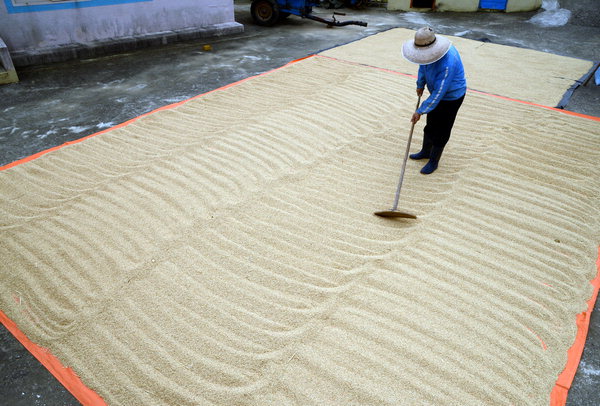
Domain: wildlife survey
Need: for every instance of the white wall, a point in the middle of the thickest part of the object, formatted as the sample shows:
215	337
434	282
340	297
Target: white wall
54	28
522	5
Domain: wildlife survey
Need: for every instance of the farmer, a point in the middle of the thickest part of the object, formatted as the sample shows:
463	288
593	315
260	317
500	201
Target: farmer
441	69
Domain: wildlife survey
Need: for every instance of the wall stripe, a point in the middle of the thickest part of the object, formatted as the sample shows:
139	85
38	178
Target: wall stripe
13	9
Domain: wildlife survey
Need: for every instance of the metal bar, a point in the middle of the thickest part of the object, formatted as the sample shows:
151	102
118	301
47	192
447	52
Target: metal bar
335	22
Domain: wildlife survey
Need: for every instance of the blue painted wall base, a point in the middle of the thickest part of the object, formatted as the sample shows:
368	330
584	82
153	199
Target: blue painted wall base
493	4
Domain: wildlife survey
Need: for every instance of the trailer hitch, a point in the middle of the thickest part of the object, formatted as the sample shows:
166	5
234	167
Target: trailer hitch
334	22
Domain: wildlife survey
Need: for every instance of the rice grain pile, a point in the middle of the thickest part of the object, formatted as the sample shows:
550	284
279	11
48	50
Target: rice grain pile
224	252
517	73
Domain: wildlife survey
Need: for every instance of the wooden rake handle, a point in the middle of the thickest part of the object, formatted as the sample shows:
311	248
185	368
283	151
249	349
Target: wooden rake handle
412	128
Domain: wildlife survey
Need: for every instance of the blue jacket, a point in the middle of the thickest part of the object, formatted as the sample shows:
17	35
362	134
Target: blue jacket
445	80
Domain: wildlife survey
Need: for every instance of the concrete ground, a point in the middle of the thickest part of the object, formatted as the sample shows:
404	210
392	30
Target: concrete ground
62	102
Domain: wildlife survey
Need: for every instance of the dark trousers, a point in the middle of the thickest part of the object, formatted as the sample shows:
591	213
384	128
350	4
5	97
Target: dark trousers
440	121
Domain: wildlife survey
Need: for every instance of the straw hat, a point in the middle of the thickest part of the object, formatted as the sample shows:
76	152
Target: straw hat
426	48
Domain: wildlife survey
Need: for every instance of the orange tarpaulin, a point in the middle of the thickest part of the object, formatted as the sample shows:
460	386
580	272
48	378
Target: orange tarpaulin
88	397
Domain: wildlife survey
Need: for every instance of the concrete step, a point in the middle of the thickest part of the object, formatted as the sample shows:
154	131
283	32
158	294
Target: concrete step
8	74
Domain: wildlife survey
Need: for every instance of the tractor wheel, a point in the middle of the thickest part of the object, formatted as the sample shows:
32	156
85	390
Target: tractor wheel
358	4
265	12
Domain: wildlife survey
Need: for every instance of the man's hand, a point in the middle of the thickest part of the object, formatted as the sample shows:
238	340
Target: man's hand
420	92
415	118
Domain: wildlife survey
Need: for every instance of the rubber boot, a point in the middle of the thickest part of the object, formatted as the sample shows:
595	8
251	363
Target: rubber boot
425	150
434	159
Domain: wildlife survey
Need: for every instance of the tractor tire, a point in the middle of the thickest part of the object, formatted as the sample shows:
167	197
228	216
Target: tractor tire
358	4
265	12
